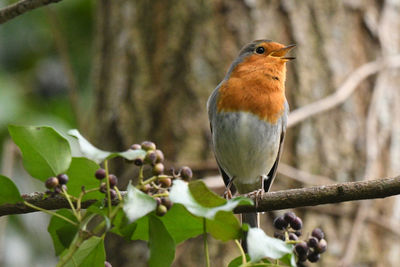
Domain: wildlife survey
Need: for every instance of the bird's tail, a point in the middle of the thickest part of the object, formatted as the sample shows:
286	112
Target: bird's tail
253	220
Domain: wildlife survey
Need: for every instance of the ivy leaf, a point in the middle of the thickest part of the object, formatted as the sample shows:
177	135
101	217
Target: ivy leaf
161	244
181	224
236	262
181	194
98	155
62	232
81	172
9	193
137	204
204	196
98	208
142	229
289	259
122	226
138	230
90	253
225	226
45	152
260	246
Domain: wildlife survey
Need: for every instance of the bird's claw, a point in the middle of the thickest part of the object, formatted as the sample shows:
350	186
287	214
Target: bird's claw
257	195
228	194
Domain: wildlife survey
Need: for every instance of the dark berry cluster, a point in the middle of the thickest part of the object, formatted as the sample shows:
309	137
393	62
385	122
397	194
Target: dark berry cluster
56	184
100	174
154	157
289	230
159	184
288	224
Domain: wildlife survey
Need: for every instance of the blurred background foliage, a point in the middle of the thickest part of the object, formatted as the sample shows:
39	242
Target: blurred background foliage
34	85
34	91
126	71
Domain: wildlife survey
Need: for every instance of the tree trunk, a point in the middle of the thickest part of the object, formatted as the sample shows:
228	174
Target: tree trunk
156	62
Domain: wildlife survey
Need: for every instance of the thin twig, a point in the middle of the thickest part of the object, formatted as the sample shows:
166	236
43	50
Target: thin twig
9	12
77	215
242	253
108	187
344	91
50	213
373	147
303	176
205	243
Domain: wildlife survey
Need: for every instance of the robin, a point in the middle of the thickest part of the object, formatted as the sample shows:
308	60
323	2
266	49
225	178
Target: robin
248	114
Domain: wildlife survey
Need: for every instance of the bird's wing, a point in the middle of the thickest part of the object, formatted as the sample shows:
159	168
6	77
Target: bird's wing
272	172
225	176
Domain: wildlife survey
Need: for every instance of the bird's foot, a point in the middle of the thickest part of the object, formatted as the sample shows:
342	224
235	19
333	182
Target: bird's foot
257	195
228	194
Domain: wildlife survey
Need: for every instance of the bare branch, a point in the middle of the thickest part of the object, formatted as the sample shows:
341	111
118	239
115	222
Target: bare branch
9	12
39	200
327	194
344	91
278	200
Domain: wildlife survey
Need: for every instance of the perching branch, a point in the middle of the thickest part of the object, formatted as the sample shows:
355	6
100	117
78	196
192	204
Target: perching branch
278	200
9	12
326	194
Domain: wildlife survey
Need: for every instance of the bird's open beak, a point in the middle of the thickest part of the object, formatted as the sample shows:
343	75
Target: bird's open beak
281	53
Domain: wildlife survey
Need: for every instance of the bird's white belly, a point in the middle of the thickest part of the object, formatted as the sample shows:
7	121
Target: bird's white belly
245	146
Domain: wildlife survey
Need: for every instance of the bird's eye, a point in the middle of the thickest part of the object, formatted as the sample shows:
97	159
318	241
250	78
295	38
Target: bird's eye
260	50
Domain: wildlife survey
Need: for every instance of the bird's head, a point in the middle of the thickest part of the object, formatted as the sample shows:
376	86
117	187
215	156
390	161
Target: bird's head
267	50
262	55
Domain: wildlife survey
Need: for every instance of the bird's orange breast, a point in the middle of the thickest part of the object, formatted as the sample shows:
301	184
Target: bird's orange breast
256	86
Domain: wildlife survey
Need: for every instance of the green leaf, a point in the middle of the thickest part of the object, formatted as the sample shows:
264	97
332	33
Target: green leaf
181	224
90	253
225	226
138	230
81	172
98	208
62	232
137	204
205	196
9	193
236	262
161	244
98	155
289	259
122	226
45	152
181	194
260	246
142	229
